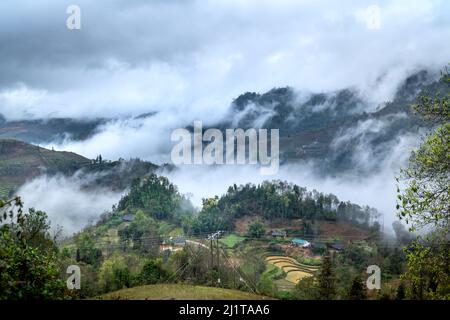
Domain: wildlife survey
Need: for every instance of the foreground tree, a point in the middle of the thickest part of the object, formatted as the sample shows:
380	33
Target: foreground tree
327	280
357	290
307	289
114	274
28	258
152	272
424	202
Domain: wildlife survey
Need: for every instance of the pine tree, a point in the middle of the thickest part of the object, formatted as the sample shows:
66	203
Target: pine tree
357	290
327	281
401	292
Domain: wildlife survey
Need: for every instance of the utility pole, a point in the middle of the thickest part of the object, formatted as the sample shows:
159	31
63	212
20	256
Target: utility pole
212	255
217	251
212	237
218	255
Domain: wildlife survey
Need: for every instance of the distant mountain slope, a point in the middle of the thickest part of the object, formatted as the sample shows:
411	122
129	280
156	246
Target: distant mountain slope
39	131
290	111
20	161
337	128
334	127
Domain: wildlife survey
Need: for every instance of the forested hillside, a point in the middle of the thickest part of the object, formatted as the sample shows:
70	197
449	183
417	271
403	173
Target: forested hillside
279	200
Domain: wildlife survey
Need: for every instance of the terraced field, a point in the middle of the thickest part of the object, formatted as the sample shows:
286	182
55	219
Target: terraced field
294	270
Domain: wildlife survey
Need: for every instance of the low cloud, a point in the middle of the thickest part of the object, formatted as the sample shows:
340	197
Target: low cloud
66	202
376	189
198	55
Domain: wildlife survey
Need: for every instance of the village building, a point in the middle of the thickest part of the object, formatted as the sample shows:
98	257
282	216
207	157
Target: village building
278	233
297	242
178	241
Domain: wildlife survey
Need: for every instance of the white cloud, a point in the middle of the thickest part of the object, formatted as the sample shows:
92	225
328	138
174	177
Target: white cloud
66	202
201	54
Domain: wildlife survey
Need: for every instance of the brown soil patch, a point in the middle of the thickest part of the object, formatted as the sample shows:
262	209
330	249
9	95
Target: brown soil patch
342	229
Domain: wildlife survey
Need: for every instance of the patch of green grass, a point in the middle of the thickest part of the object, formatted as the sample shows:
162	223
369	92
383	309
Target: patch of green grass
179	292
309	261
231	240
274	272
176	232
166	228
283	286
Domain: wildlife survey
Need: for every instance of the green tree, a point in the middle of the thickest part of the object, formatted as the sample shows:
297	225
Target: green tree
307	289
156	196
143	233
86	250
266	285
327	279
152	272
401	291
256	229
114	274
28	269
211	218
357	290
424	201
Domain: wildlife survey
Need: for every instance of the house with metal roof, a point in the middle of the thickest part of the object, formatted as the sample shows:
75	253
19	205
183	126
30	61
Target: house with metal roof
300	243
278	233
338	246
178	241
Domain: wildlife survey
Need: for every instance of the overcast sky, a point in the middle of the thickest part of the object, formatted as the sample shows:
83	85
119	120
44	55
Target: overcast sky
192	58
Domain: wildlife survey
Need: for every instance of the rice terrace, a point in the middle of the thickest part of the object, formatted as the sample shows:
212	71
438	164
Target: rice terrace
294	270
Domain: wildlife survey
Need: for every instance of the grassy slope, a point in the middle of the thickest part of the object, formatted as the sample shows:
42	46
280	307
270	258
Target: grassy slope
232	240
180	292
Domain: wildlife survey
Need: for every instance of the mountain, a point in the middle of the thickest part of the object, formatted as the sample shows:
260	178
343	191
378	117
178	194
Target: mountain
20	161
55	129
335	127
295	112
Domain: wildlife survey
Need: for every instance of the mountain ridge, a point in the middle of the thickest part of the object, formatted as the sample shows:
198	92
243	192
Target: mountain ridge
21	162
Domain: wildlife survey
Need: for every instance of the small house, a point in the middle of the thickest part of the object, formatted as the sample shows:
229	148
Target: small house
337	246
279	233
300	243
179	241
